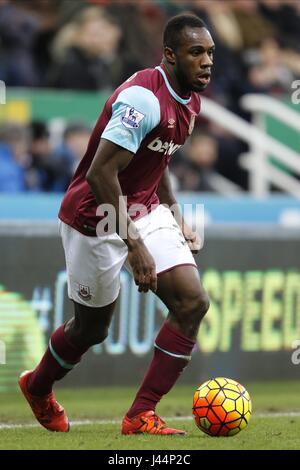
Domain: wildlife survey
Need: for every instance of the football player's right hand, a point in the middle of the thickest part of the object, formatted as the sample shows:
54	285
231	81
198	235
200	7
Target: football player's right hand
143	267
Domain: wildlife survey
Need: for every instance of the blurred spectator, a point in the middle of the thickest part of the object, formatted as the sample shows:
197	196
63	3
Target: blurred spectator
253	26
13	158
230	150
228	83
69	154
268	71
86	53
27	162
221	19
47	13
150	20
18	30
285	15
97	44
43	172
194	168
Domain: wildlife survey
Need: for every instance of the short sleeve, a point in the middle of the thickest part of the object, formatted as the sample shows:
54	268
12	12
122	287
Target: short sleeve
135	113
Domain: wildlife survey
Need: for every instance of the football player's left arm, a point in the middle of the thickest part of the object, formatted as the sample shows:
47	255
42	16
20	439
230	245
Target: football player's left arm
166	196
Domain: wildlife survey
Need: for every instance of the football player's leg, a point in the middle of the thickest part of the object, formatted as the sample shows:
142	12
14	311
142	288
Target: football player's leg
89	326
181	291
68	343
187	301
93	268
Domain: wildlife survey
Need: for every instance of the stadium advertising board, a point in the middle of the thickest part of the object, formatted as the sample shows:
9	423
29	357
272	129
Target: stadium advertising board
250	332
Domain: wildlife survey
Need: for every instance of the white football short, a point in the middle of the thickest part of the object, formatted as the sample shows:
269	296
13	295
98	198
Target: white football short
94	263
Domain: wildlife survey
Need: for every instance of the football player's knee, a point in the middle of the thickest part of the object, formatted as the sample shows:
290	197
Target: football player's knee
203	304
196	307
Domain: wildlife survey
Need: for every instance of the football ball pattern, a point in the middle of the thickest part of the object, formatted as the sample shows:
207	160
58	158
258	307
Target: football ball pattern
221	407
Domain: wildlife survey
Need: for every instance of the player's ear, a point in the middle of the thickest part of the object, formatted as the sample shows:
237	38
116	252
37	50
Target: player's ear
169	55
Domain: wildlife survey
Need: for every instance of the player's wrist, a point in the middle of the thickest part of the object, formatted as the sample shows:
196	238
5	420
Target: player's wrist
133	243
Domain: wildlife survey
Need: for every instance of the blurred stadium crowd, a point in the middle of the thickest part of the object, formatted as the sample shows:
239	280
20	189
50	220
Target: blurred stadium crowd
97	44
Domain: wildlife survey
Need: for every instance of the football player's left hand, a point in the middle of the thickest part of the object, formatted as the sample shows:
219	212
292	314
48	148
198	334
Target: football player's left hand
193	240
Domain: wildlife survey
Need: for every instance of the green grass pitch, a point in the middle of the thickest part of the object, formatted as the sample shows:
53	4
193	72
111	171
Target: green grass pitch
97	413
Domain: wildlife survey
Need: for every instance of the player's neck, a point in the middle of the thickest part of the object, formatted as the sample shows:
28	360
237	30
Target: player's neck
184	93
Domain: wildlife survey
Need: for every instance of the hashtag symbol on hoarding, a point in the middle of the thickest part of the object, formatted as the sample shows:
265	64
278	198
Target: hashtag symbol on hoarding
2	353
2	92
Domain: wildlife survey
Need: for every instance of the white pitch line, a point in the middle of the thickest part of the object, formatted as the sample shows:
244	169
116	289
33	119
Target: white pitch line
288	414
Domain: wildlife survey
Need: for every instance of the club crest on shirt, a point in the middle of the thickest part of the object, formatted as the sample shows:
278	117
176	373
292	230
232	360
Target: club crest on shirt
132	118
84	292
192	124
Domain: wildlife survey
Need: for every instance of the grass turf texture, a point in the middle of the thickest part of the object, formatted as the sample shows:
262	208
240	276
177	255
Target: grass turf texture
264	431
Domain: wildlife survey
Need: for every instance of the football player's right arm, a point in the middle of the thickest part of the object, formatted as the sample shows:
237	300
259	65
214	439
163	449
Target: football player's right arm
134	114
102	176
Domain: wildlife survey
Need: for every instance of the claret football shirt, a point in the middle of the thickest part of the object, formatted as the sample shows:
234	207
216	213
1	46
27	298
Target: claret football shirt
146	116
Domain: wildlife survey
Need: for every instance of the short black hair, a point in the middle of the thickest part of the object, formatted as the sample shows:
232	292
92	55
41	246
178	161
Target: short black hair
176	24
38	130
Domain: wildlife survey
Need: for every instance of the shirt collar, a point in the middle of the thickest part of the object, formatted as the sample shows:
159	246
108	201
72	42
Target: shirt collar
171	90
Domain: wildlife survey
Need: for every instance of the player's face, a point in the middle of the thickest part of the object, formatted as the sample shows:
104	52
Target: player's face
194	59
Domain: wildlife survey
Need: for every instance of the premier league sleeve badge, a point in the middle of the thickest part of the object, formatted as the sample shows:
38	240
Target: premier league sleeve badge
132	118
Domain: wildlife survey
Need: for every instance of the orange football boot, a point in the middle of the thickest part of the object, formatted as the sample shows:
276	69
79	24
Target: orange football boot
148	422
47	411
